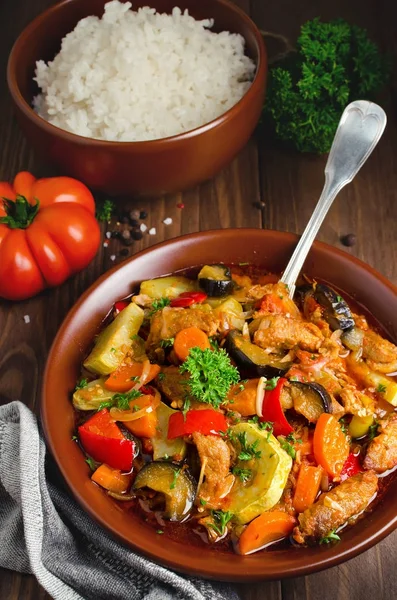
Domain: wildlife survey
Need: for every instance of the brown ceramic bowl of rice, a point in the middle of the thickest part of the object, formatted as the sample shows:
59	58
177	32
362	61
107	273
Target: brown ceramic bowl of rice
165	123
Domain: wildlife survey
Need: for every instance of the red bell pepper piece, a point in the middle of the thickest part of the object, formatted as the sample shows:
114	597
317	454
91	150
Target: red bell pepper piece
272	410
102	439
351	467
206	421
120	305
187	299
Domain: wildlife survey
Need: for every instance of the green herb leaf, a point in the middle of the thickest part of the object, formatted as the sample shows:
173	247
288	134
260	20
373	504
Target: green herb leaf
176	475
381	388
289	449
331	537
122	401
211	375
159	531
271	383
105	404
247	451
91	463
203	502
335	63
167	343
344	425
243	474
81	384
161	376
105	210
373	431
220	520
159	305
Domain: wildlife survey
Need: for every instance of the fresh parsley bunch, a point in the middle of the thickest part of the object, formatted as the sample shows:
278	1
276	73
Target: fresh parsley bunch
335	64
211	375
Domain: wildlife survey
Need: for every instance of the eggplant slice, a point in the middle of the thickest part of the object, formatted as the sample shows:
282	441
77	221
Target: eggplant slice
175	484
251	360
216	280
336	311
310	400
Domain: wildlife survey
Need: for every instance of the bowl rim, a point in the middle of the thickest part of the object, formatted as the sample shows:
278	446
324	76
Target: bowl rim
143	144
327	557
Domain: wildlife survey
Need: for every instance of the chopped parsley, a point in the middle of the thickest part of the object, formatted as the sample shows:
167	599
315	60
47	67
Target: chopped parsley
381	388
271	383
344	425
203	502
74	438
160	531
211	375
373	431
91	463
159	305
289	449
81	384
220	521
175	479
160	376
247	451
105	404
122	401
264	425
339	298
105	210
331	537
244	474
168	343
214	343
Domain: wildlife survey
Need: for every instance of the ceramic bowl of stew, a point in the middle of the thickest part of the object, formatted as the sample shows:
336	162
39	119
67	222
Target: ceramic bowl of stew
271	251
145	168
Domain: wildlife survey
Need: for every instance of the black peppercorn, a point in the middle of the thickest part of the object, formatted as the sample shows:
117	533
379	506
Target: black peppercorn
349	239
134	223
136	234
124	252
143	214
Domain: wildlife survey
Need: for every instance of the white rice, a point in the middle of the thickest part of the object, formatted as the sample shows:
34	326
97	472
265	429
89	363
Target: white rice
142	75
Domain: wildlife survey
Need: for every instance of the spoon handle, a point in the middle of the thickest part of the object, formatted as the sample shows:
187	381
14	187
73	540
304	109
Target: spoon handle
359	130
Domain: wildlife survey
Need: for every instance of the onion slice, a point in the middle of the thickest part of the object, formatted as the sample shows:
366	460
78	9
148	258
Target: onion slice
129	415
143	376
260	394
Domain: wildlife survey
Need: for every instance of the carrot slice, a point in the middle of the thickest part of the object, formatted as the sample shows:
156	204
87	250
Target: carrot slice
144	426
243	400
268	527
191	337
111	479
123	379
330	445
307	487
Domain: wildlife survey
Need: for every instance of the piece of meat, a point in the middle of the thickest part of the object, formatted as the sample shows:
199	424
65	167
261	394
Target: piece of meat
380	354
214	454
357	403
172	384
382	451
166	323
334	508
279	332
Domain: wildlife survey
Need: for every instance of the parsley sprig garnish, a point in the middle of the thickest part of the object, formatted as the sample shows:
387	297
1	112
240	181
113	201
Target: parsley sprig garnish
331	537
159	305
247	451
211	375
105	210
243	474
81	384
122	401
220	520
287	446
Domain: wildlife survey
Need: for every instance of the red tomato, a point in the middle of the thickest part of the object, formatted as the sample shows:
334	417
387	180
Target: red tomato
48	232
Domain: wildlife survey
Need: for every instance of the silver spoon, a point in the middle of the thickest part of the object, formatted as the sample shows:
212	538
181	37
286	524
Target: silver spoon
359	130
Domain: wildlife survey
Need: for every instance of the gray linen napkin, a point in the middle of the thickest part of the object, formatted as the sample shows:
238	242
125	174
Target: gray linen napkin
43	531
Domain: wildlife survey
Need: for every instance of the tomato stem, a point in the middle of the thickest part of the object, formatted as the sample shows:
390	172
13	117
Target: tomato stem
19	213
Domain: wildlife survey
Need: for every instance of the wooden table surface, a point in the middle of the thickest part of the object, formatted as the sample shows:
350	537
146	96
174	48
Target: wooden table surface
288	184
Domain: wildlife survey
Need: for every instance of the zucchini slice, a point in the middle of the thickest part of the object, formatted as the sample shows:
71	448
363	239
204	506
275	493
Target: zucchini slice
216	280
114	341
167	287
91	396
269	474
162	446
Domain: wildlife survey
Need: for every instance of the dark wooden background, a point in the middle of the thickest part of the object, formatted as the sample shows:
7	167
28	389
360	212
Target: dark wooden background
289	185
